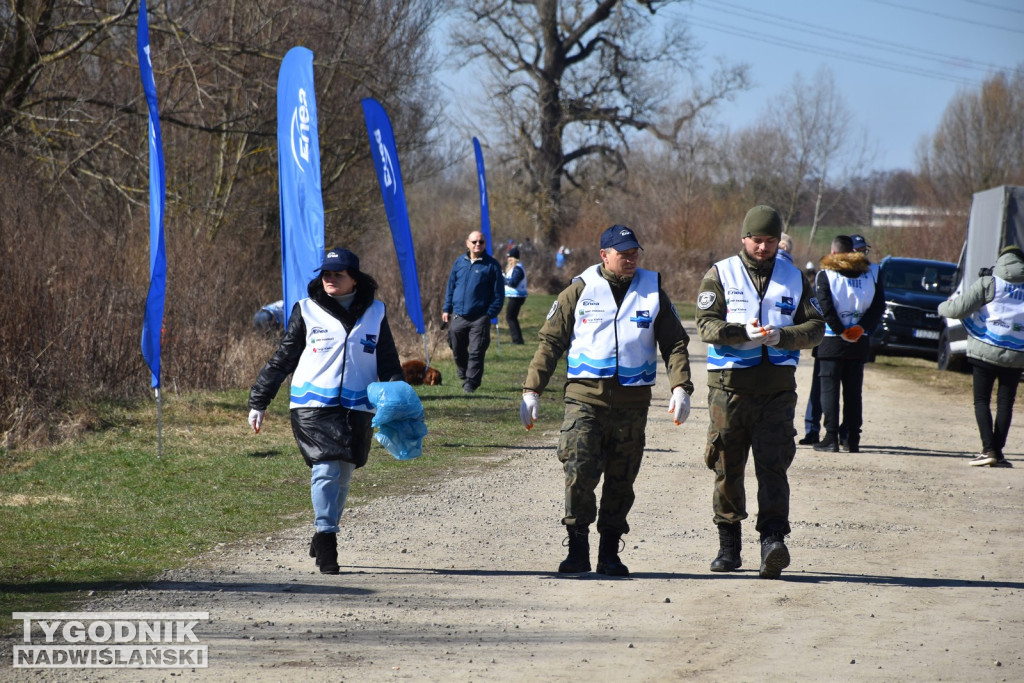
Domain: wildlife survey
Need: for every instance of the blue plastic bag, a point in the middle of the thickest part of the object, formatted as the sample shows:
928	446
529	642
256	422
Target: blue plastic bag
400	422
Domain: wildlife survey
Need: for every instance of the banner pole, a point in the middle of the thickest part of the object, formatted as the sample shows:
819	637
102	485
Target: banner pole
426	353
159	424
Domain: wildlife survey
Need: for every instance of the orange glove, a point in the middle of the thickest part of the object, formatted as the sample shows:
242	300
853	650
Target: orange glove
852	334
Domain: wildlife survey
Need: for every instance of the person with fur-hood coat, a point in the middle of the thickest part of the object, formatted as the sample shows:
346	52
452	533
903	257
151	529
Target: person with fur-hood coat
852	301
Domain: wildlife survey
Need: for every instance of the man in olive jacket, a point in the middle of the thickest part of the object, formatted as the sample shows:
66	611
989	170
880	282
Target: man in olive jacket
610	322
755	312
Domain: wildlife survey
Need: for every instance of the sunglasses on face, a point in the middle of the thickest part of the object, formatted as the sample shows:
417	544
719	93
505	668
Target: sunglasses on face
478	241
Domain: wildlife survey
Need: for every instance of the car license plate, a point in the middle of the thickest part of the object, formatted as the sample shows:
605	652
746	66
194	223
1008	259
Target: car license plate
927	334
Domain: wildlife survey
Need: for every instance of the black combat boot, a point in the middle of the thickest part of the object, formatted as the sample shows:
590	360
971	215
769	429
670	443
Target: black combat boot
829	444
608	562
852	444
324	547
774	554
729	544
578	560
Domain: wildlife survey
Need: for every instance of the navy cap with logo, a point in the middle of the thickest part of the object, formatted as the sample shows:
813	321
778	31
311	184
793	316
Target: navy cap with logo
619	238
337	260
859	243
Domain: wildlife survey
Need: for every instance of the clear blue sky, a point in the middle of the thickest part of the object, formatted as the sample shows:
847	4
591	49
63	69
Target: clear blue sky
896	63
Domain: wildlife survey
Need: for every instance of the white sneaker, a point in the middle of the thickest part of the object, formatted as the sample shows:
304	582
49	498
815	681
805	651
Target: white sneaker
983	460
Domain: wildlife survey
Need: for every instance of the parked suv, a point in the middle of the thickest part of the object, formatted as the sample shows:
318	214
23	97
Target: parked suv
914	288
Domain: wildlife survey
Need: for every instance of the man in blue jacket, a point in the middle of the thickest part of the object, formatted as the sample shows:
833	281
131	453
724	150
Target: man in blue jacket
475	294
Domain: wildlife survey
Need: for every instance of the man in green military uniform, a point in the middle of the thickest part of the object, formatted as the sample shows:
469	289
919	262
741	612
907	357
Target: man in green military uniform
755	312
611	321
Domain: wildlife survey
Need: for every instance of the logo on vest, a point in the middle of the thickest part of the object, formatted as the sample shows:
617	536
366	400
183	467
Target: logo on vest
1014	291
369	343
786	305
642	319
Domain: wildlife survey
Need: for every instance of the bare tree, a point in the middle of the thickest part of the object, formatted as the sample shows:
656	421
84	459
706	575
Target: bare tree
979	142
805	144
569	80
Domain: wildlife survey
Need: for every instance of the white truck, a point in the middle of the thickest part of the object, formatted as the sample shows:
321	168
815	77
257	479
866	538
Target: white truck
996	221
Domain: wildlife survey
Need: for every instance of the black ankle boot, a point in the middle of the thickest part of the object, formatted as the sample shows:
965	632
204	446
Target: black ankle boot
829	444
729	544
608	562
578	560
324	547
774	554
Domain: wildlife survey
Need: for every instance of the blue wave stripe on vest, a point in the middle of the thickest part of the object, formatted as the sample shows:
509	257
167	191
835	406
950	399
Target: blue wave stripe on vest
987	335
744	358
308	392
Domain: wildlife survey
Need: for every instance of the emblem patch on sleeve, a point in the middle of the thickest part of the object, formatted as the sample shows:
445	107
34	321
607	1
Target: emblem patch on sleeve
817	306
705	300
554	308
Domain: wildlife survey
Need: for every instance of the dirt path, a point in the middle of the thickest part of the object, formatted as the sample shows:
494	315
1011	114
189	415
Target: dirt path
907	565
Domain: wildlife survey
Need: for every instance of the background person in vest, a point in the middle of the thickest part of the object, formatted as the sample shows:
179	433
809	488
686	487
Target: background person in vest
755	312
337	342
852	301
812	416
612	321
475	293
515	293
993	313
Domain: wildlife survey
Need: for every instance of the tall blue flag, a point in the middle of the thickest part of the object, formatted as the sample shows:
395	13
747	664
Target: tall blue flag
152	323
485	212
298	167
389	174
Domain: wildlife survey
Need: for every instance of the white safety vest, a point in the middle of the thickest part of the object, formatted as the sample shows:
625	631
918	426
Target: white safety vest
336	367
743	303
615	341
851	296
519	291
1000	322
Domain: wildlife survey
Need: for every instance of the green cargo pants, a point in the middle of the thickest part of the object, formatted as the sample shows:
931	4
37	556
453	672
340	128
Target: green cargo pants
762	423
596	441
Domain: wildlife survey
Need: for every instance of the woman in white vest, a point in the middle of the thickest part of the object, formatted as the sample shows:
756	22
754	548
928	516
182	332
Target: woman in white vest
337	342
993	313
515	293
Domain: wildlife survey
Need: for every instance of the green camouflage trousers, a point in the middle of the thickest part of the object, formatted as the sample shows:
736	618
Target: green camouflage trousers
739	424
596	441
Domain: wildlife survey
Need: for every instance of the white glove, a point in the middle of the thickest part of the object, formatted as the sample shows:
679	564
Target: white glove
772	336
754	331
528	408
256	419
679	405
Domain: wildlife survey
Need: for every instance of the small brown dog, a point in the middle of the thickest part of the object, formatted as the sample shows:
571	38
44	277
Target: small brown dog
417	372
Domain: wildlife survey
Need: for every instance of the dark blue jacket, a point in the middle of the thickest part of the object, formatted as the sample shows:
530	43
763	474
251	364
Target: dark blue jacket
475	288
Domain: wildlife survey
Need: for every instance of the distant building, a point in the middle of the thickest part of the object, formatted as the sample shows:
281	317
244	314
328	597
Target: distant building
908	216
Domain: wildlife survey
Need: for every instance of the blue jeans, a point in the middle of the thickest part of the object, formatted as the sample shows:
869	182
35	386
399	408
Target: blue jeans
328	486
812	416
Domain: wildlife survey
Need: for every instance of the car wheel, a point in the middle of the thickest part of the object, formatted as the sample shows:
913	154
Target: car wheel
946	359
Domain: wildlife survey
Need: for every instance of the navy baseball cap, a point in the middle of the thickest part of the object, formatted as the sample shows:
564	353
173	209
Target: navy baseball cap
337	260
619	238
859	242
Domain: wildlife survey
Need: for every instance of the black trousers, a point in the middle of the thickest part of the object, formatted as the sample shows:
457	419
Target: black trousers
512	306
469	339
845	376
993	436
